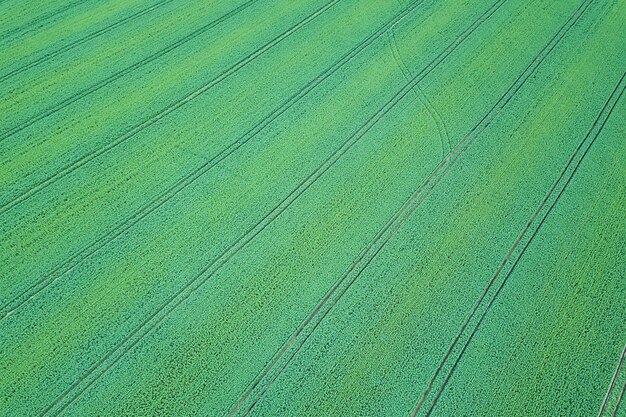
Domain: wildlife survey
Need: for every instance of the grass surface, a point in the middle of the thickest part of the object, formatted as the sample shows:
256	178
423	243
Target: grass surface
339	207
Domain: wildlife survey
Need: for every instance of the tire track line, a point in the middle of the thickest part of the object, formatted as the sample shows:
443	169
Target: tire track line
128	70
12	32
165	112
619	401
369	253
565	177
108	361
421	97
91	249
609	392
74	44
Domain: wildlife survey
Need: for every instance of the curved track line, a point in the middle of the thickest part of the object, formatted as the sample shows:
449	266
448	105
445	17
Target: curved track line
86	252
80	41
165	112
109	360
444	137
128	70
527	228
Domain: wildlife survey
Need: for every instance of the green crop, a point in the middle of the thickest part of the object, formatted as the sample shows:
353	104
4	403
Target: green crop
313	207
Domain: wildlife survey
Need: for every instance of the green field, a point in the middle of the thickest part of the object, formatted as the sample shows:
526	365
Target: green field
313	207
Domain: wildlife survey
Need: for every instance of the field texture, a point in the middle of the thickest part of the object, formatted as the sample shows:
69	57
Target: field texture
313	207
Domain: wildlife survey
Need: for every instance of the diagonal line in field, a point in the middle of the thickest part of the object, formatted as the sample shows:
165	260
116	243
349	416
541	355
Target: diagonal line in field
42	18
616	376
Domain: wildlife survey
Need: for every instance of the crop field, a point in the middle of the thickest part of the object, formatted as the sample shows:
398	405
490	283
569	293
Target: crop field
313	208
